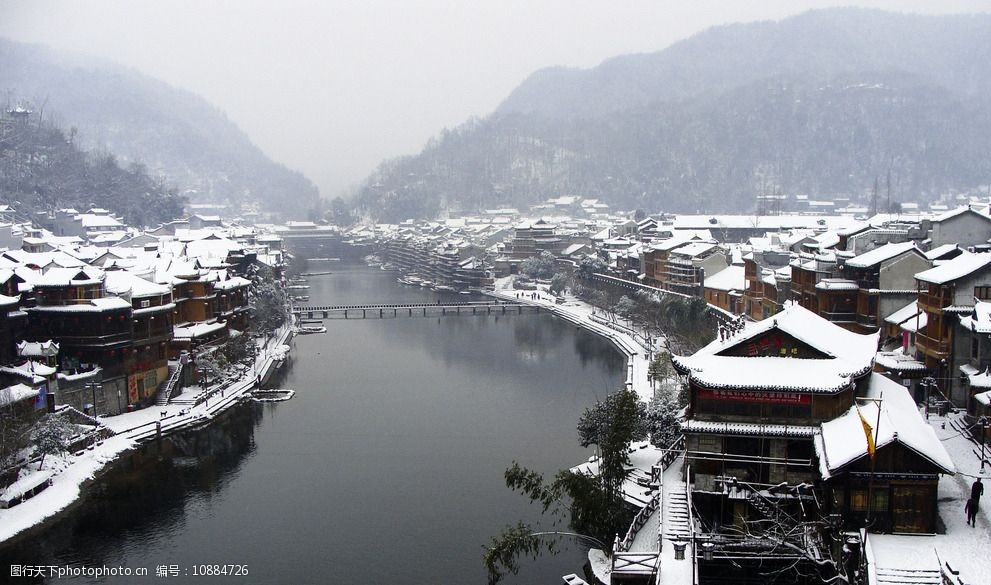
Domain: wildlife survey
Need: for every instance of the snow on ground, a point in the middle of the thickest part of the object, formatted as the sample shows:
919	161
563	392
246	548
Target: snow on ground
130	429
64	489
963	547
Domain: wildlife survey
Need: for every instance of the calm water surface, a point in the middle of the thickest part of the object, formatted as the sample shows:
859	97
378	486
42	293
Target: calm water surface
385	468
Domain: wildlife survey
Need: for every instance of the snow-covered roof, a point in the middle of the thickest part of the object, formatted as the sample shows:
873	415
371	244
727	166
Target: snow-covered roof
843	440
897	361
901	315
940	251
960	211
694	249
811	329
121	282
92	220
197	330
91	305
37	348
881	254
836	284
979	319
902	559
730	278
769	373
16	393
231	283
69	276
740	428
955	269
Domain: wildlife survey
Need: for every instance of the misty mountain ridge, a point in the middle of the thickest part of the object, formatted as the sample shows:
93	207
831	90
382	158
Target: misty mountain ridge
952	51
798	106
176	134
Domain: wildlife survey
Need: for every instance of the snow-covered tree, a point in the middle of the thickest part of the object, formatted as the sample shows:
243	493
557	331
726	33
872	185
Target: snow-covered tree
662	420
267	303
539	266
51	436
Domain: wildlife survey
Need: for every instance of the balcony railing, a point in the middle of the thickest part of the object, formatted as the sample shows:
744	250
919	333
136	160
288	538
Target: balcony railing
933	347
932	304
107	340
838	317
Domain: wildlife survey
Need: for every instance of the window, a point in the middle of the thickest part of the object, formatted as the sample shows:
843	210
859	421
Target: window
982	292
880	500
710	444
858	500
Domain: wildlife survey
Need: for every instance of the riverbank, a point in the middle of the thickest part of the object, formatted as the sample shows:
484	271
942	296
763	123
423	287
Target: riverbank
638	351
193	408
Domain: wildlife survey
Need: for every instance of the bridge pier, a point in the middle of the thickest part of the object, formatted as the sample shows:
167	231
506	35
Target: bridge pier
504	309
394	312
411	312
363	313
380	313
326	314
345	313
424	311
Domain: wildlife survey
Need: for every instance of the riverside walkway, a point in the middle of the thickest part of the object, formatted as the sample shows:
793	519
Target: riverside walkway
134	428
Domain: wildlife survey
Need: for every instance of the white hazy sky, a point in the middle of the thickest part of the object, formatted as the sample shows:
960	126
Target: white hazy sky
332	87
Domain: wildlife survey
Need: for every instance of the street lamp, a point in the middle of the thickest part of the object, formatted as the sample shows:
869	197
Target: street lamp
928	382
983	421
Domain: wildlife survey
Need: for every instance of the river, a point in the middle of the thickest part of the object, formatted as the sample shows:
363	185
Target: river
385	468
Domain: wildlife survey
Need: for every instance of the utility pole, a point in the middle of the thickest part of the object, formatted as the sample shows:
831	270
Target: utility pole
874	198
984	436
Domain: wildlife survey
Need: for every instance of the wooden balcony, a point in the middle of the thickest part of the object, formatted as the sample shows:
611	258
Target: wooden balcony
936	348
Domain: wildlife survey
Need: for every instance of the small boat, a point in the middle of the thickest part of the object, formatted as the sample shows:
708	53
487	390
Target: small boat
388	266
320	273
301	298
464	292
443	288
274	395
298	287
310	330
426	283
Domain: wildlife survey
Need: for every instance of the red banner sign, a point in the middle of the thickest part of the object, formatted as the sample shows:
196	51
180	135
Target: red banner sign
760	396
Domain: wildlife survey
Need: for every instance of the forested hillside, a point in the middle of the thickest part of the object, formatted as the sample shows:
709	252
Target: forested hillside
807	105
175	134
42	169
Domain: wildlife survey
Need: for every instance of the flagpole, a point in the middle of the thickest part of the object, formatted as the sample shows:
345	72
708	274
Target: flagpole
871	450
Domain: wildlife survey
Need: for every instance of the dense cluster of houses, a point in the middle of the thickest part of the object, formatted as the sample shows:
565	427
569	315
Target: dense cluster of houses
98	316
804	413
921	279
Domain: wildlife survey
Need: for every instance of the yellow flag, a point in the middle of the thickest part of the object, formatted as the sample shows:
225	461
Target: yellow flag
869	433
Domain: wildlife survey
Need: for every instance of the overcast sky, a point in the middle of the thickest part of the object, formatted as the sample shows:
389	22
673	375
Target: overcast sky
331	87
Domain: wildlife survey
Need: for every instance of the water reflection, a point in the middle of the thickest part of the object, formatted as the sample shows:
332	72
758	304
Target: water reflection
141	499
387	466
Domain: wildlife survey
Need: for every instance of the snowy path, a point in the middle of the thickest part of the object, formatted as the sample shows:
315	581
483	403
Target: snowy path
131	429
963	547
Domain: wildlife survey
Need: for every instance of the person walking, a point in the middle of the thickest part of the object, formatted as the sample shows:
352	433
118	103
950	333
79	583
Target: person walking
976	491
971	509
